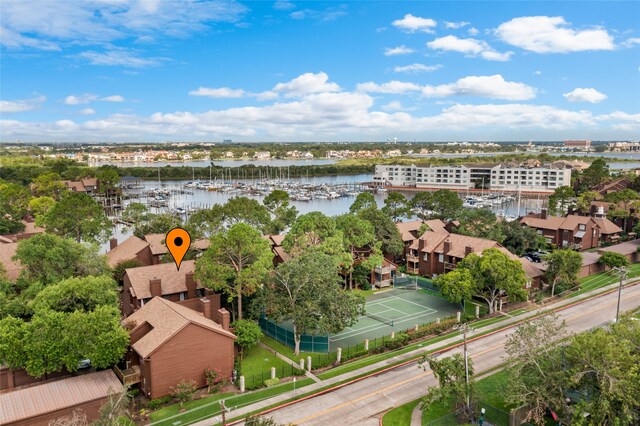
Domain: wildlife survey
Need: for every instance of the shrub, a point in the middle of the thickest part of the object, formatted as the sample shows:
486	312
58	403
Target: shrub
400	340
184	391
354	354
271	382
154	404
213	378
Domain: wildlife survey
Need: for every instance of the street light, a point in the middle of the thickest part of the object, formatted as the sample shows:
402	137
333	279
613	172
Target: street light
622	273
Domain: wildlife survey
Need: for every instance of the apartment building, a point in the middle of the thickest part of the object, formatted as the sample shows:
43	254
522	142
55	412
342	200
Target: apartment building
526	176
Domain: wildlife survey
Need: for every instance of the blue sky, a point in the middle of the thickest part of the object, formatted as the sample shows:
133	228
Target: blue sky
119	70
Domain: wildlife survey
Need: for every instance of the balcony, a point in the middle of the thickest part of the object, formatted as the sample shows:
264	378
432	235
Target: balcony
129	376
412	258
382	283
383	270
412	270
449	265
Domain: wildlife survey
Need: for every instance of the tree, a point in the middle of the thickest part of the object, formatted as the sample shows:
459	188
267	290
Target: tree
561	200
451	373
78	216
396	206
521	239
205	222
604	366
595	174
248	334
120	268
613	260
445	204
14	200
48	185
421	205
134	213
562	268
115	408
282	214
183	391
245	210
152	223
364	201
305	291
489	277
48	259
480	223
357	234
39	207
456	286
55	340
77	294
236	262
386	231
108	178
311	229
535	368
583	203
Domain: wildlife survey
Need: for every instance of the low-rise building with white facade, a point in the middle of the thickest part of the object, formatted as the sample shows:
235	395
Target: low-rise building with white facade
510	177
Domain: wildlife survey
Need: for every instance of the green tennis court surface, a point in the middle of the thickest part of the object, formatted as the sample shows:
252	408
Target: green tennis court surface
394	310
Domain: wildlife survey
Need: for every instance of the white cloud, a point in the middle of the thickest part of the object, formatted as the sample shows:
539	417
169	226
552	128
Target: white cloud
393	106
113	98
552	34
122	58
537	72
585	95
473	31
221	92
48	25
305	84
417	68
21	105
630	42
80	99
87	111
391	87
469	47
455	25
492	87
86	98
399	50
412	24
283	5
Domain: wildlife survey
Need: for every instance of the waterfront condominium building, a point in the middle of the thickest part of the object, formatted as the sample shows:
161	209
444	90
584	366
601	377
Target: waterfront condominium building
526	176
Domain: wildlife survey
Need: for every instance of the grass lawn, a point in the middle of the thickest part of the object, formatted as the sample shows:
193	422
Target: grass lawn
256	367
400	416
602	279
209	406
316	358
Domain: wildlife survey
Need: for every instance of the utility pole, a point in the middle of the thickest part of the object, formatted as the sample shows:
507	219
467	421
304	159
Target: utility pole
622	273
223	412
466	366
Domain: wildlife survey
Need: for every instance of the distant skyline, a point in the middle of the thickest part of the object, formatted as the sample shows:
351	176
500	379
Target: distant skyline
151	71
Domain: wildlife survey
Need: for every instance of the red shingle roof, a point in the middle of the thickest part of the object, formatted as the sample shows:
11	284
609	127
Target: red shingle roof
172	280
128	250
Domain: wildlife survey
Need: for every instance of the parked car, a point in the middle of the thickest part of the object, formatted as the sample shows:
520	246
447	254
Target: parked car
84	363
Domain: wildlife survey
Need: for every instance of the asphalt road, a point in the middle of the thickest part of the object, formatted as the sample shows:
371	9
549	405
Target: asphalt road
363	402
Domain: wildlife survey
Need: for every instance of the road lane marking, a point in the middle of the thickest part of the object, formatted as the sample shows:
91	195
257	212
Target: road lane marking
354	401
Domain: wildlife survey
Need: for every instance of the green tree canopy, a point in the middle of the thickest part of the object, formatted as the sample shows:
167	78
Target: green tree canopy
14	200
282	213
364	201
48	185
561	199
236	262
441	204
562	268
595	174
521	239
78	216
247	332
305	291
489	276
359	240
108	178
48	259
77	294
396	206
386	231
40	207
311	229
480	223
613	260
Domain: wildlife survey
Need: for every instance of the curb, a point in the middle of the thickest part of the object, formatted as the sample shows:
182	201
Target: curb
439	351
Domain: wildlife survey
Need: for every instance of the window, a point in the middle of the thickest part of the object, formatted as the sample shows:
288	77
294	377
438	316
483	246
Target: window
528	284
183	296
426	256
441	258
582	227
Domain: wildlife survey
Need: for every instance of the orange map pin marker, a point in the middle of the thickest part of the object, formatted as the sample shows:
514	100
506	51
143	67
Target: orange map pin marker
178	241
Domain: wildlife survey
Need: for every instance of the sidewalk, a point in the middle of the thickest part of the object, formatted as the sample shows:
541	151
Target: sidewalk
261	405
290	362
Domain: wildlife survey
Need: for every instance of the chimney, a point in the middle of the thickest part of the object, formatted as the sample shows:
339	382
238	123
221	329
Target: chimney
155	287
468	250
225	317
570	211
421	243
447	246
113	243
190	284
205	307
543	214
592	209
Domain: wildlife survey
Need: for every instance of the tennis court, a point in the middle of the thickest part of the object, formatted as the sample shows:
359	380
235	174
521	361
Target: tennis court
398	309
